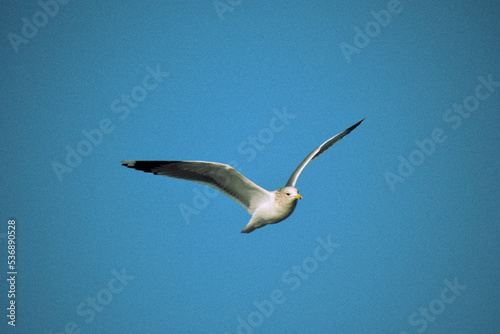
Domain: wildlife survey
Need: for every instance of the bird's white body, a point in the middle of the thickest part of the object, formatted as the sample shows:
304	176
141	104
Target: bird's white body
266	207
274	210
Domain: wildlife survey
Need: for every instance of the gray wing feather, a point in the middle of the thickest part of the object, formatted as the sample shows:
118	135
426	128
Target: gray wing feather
221	177
317	152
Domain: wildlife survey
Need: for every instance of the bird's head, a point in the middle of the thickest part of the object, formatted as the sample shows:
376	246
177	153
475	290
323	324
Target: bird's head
290	193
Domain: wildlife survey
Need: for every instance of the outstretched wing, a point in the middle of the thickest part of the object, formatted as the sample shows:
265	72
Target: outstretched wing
317	152
222	177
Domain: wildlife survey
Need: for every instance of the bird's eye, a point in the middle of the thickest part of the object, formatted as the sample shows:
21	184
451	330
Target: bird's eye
288	194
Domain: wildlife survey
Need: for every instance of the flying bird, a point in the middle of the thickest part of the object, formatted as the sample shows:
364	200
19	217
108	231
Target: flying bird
266	207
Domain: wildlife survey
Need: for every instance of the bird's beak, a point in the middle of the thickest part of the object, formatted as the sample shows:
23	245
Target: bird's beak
298	196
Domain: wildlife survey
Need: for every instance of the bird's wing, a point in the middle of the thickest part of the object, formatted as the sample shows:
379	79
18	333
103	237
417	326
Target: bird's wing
222	177
317	152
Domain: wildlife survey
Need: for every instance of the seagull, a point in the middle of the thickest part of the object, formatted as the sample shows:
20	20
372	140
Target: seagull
265	207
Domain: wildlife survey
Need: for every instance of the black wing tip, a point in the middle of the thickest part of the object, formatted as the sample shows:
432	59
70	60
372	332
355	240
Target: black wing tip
355	125
128	163
148	166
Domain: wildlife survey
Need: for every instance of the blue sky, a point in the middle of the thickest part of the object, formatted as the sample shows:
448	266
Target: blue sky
399	226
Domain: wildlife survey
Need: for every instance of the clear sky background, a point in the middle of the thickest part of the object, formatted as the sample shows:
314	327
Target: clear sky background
408	202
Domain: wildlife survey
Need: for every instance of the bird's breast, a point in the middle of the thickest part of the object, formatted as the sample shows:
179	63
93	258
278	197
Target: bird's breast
274	213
